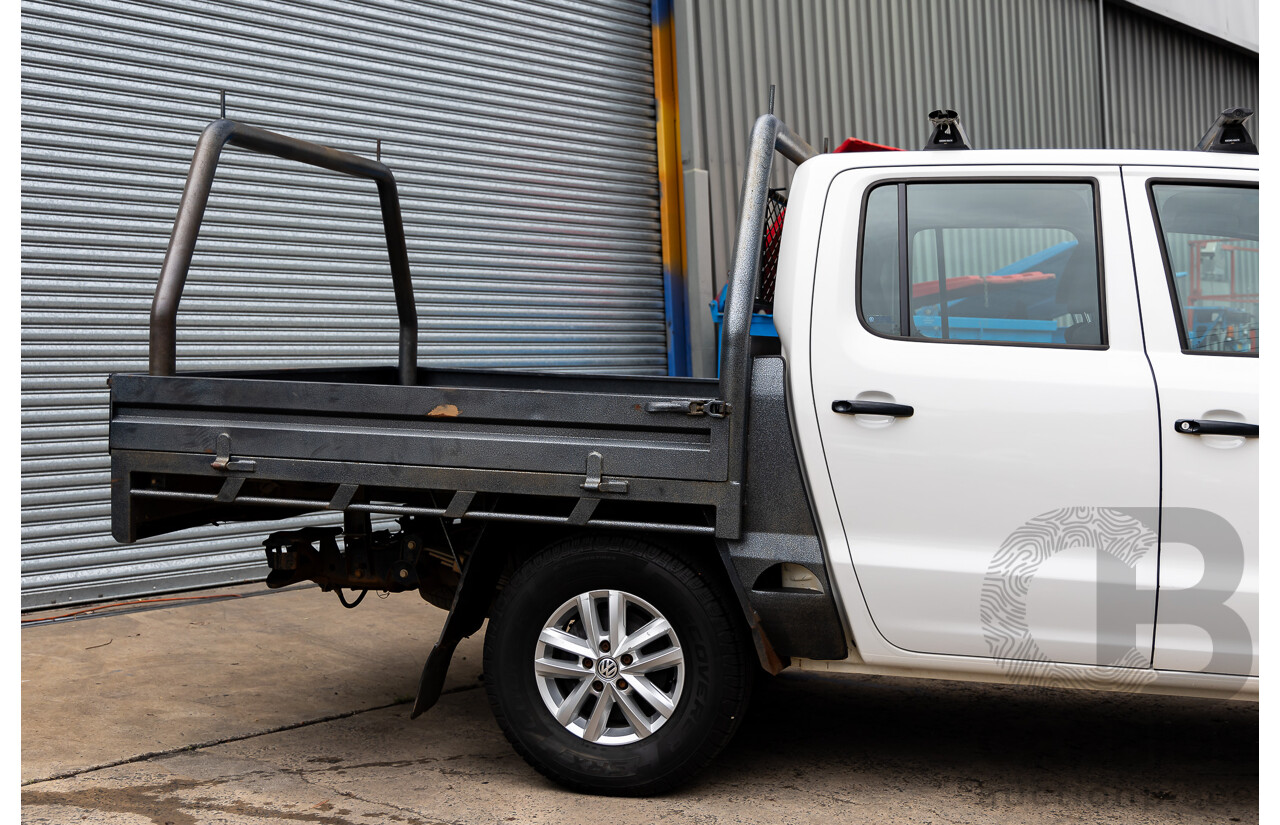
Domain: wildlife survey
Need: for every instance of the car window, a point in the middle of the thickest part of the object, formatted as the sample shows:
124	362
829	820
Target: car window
1209	237
1003	262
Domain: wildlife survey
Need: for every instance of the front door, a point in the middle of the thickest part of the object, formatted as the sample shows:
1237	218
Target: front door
1195	239
987	412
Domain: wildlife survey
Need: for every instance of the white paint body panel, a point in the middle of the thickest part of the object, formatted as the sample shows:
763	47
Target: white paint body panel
1001	434
801	306
1214	473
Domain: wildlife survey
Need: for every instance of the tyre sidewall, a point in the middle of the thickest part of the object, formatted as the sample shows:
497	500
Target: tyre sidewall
528	604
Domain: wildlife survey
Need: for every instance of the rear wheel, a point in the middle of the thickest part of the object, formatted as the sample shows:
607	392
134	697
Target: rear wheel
613	667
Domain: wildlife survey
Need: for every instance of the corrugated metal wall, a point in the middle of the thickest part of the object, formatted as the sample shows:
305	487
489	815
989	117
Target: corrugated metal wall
1022	73
1167	85
522	137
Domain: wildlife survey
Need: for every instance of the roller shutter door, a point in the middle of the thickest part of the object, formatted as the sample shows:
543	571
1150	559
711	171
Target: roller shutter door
522	136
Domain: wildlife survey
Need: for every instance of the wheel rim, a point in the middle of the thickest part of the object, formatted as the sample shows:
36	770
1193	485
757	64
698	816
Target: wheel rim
609	667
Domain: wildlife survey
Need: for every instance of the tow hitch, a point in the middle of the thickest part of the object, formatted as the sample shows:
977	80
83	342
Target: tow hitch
378	561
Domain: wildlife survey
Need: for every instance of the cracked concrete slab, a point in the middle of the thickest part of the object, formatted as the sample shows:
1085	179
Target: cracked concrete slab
211	684
112	687
812	751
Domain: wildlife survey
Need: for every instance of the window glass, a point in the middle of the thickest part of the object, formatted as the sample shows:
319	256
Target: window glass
1000	262
879	292
1210	239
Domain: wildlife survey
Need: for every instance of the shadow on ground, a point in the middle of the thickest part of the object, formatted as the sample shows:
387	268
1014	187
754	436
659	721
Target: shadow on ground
812	750
1002	747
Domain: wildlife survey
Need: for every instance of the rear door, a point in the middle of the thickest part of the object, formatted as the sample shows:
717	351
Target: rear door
1195	242
987	413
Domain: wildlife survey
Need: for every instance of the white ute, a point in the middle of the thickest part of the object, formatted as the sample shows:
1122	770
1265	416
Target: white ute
1007	432
1074	500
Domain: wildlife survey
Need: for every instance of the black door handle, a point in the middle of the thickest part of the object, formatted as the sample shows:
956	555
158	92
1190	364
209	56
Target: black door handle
1190	426
872	408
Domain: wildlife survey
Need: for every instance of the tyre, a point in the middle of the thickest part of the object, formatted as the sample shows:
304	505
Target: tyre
613	667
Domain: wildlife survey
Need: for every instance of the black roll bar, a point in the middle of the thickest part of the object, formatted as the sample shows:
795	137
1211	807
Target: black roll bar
767	136
195	197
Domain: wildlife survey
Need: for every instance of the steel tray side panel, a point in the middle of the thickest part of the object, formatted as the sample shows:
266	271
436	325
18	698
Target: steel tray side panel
134	472
489	428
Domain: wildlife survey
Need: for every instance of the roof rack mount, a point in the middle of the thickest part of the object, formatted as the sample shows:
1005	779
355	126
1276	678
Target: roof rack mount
1227	134
947	132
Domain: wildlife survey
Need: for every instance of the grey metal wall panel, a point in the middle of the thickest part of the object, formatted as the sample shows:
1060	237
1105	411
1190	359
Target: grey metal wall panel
522	135
1168	85
1022	73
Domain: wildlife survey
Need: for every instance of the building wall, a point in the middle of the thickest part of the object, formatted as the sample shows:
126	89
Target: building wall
1166	84
1234	22
522	137
1021	73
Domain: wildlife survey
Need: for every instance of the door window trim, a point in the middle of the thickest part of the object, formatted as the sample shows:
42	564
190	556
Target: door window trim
899	181
1176	305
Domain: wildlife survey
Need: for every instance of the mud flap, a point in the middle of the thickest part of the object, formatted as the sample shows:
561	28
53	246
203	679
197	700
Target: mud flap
471	602
768	657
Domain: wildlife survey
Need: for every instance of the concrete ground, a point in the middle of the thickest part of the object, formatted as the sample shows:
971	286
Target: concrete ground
283	707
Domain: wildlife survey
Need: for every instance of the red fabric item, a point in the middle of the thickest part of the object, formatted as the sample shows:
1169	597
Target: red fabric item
962	285
856	145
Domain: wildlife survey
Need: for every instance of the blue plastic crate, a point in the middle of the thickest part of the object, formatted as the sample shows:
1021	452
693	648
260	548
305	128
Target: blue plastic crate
990	329
761	323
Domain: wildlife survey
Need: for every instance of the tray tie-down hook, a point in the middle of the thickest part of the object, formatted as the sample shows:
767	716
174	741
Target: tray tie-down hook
223	461
596	482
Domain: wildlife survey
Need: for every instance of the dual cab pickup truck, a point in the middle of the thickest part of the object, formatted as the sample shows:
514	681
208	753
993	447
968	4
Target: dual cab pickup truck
1007	432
